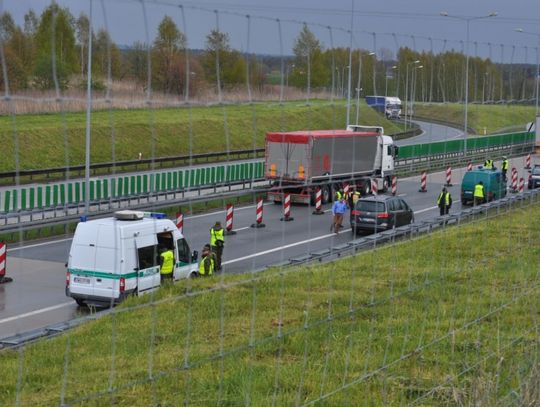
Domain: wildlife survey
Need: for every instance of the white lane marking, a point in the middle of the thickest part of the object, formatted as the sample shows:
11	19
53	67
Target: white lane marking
244	228
275	249
37	245
36	312
425	210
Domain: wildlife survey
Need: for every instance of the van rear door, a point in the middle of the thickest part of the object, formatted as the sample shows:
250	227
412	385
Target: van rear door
148	276
105	263
82	259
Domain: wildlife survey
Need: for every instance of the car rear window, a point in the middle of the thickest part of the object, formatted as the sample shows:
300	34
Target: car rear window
370	206
536	171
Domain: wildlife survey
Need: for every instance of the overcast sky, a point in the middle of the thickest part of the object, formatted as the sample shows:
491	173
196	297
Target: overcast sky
413	22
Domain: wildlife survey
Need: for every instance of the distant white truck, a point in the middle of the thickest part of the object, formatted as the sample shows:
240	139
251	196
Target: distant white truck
112	258
389	105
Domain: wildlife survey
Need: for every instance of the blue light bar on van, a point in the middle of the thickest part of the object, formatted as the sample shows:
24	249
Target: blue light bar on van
157	215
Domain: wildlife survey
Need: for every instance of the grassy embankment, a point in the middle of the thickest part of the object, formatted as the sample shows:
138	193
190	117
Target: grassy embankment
452	317
42	137
492	118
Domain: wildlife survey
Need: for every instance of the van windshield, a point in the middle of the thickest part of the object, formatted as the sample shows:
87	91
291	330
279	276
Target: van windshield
370	206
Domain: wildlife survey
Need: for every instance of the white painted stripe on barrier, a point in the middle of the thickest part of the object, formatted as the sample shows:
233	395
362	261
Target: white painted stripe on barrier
2	265
36	312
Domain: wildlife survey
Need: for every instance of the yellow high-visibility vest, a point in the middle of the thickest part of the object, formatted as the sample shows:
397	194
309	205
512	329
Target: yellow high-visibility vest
168	262
216	235
202	270
446	198
479	191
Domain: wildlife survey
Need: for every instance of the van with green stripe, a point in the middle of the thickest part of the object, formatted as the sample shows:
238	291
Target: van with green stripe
112	258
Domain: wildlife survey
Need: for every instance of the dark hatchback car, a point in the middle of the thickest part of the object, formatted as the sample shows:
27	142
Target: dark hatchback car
378	213
534	178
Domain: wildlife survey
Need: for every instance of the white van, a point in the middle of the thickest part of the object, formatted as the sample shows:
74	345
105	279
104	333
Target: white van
114	257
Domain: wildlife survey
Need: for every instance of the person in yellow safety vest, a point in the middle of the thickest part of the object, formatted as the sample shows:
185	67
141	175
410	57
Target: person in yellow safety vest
504	167
488	164
217	241
479	194
444	202
207	264
166	262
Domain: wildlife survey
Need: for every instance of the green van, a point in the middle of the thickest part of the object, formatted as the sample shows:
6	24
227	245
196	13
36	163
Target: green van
494	185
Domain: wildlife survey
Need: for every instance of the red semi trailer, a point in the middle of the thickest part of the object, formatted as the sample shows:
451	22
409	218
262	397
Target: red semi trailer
300	162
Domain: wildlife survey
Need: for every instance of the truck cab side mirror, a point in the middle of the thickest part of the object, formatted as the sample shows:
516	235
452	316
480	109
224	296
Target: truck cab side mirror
194	256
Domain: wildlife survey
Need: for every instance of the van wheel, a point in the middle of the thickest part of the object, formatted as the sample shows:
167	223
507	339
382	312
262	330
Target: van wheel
194	275
80	303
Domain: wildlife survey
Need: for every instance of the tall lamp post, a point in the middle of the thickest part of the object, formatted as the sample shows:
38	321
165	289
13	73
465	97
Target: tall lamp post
359	83
386	80
413	90
519	30
468	20
407	88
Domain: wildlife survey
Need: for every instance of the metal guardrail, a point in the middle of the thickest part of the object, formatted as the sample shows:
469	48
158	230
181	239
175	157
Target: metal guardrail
134	165
365	243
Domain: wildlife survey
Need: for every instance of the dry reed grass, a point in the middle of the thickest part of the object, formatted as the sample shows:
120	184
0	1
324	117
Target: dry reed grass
129	95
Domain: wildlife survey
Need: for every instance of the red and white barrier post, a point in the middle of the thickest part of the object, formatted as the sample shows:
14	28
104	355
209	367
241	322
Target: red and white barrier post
259	215
514	180
521	185
394	185
318	202
374	187
528	162
287	208
229	220
469	167
449	177
423	182
180	222
3	261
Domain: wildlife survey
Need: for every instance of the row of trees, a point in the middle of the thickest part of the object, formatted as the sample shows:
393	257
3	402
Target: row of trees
436	77
51	51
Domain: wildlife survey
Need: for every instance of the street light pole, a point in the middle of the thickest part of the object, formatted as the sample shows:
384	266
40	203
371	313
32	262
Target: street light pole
358	87
413	90
468	21
519	30
407	88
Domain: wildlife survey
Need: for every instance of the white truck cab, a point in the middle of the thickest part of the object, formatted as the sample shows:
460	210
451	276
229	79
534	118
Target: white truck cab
114	257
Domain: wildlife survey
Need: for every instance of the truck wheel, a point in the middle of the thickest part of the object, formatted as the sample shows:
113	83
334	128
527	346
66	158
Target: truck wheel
326	194
366	189
386	184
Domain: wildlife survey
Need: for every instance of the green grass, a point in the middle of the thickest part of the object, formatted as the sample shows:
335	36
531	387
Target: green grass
42	138
491	118
451	316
